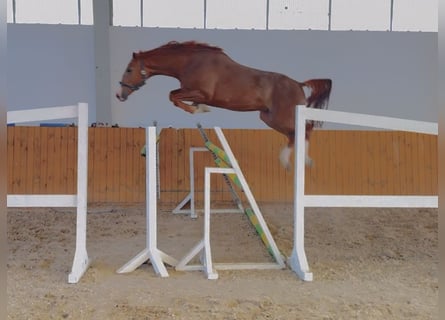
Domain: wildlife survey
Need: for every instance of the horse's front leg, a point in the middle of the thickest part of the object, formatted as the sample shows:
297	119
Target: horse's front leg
178	97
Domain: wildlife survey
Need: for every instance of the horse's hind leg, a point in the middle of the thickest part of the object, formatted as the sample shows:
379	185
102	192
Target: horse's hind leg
178	97
309	126
287	151
285	155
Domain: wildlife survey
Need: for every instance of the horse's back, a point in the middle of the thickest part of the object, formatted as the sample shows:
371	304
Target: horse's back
235	86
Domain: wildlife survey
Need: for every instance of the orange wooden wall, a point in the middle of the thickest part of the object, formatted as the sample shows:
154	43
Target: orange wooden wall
43	160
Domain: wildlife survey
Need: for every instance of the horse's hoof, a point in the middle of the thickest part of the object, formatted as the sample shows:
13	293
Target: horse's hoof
202	108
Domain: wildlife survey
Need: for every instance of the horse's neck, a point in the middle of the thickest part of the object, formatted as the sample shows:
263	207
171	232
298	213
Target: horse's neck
167	64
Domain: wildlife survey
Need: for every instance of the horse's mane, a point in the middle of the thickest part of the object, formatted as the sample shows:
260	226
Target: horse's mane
187	45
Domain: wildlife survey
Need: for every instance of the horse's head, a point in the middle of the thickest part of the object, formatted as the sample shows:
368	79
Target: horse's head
133	78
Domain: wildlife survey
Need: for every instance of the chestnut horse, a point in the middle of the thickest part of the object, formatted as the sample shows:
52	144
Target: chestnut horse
208	77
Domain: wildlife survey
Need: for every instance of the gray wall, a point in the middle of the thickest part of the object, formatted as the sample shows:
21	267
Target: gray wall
50	65
381	73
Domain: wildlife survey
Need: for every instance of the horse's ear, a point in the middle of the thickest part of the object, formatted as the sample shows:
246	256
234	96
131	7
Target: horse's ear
134	55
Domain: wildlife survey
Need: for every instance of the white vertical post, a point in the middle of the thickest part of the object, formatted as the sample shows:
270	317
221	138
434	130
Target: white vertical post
192	184
150	188
208	264
151	203
298	261
151	252
81	260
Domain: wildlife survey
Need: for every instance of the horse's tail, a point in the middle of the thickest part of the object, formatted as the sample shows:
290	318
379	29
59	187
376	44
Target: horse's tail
320	92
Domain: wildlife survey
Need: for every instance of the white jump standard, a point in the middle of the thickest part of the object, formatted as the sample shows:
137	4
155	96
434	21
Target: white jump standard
158	258
204	247
78	200
298	261
151	252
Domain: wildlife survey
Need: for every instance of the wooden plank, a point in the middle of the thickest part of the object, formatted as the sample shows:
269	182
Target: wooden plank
21	161
181	155
112	165
166	147
259	156
62	180
14	163
35	161
44	160
139	137
101	156
318	171
416	169
423	185
381	164
408	163
53	164
28	156
340	162
383	168
403	163
91	164
131	179
427	156
434	159
72	160
394	164
371	159
62	150
331	163
362	172
123	165
312	173
351	164
343	158
10	159
352	146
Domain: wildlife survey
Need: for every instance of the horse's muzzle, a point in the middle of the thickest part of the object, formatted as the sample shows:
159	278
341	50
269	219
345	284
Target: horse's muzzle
121	98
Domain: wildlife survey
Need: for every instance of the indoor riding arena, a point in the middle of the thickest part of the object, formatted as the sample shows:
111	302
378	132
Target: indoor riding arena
123	206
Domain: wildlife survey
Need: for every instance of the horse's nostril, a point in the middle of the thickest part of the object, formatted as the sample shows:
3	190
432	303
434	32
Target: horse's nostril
120	98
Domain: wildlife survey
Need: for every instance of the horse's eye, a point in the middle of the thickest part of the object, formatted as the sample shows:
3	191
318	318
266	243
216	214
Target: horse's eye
128	70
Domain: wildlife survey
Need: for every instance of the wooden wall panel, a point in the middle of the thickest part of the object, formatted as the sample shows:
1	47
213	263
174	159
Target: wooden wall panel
43	160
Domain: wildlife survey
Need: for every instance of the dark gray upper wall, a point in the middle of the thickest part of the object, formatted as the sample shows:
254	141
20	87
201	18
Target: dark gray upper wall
381	73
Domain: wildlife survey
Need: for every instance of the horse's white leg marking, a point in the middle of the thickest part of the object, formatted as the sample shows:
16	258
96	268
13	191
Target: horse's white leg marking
285	156
287	151
199	107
